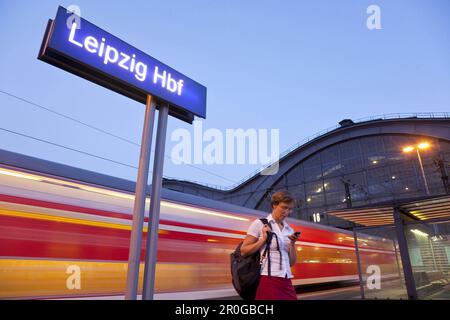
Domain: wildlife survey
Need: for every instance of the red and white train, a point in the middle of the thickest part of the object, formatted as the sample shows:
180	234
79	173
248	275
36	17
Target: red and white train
65	233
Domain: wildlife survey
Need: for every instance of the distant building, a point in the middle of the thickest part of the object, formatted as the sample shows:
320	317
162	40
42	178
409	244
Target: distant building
356	164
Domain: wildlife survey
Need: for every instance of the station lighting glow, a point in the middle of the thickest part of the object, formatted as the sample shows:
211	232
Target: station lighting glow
408	149
419	233
423	145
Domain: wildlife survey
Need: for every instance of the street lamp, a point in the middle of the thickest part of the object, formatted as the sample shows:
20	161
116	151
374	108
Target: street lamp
420	146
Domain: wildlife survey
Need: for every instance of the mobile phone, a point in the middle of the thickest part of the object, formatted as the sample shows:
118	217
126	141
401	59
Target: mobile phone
297	233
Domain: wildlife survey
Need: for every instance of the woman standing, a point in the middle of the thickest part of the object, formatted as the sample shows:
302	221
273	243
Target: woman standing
275	282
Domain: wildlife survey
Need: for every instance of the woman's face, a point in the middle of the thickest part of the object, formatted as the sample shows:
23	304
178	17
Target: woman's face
282	210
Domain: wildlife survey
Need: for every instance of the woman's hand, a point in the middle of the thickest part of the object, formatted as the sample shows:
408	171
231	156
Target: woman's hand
264	231
252	244
294	237
292	253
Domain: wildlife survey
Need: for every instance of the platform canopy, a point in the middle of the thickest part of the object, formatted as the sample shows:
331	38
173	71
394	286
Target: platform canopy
425	209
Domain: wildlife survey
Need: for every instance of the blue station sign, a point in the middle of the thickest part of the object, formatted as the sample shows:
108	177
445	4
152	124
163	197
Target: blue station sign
80	47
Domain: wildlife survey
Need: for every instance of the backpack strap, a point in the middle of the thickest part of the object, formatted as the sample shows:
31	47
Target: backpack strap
267	249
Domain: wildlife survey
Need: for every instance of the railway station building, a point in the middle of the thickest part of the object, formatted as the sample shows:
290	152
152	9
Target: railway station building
356	164
385	177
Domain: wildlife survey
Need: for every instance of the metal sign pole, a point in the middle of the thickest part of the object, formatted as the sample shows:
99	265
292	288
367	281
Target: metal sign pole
153	222
134	255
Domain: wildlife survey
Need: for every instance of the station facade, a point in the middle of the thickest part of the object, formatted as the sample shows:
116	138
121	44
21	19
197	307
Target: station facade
358	164
385	178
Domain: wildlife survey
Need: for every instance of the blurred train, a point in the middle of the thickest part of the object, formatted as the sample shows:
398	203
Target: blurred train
65	233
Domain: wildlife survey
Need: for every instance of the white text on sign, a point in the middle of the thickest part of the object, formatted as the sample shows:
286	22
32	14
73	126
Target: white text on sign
111	55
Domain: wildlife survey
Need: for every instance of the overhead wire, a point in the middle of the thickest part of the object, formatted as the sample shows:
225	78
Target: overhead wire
96	129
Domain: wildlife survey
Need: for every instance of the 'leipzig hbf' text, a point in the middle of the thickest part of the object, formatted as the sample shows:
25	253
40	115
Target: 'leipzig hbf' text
111	55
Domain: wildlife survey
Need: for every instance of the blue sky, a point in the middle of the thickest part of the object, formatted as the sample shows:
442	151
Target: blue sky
296	66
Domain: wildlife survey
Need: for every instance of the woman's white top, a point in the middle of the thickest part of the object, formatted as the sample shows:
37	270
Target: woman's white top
276	270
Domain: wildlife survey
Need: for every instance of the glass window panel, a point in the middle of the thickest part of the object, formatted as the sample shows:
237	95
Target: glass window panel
379	184
295	176
279	185
331	164
428	244
416	257
373	151
312	168
381	270
375	161
314	194
430	163
264	204
444	148
379	181
396	143
358	189
336	200
404	180
334	192
433	175
351	158
350	149
298	192
372	146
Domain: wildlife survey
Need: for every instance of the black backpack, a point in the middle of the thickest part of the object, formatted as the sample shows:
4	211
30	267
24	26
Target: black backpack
246	271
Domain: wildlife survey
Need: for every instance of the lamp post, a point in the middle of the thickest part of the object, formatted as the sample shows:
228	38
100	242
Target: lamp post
420	146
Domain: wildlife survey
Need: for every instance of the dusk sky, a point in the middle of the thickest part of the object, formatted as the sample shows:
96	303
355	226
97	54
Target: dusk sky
296	66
